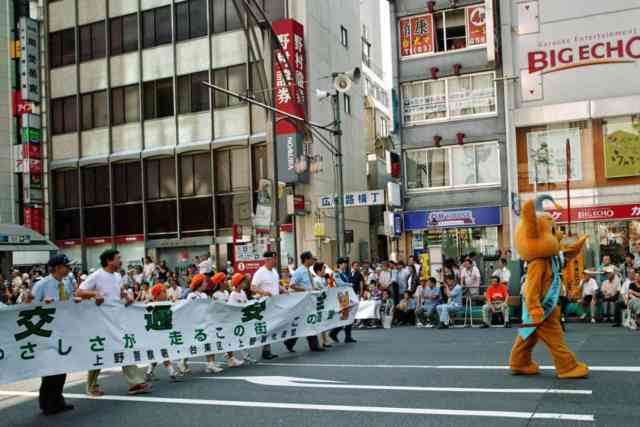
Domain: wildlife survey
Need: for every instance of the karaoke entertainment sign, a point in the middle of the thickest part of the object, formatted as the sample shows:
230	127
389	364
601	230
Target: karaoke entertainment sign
47	339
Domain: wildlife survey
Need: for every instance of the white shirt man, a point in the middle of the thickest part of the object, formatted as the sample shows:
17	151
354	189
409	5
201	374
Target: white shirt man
206	266
589	287
266	283
108	285
470	277
174	293
502	271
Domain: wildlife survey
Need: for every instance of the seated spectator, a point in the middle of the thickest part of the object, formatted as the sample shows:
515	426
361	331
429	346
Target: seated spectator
502	271
470	277
453	293
405	311
621	304
428	298
609	293
386	308
496	296
633	298
589	288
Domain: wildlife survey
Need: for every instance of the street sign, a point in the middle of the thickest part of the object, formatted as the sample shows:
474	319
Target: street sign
356	199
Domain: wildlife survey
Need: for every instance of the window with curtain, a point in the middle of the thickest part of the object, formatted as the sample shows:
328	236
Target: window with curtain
449	98
453	166
193	96
62	48
156	27
190	19
63	115
125	104
94	110
123	34
92	41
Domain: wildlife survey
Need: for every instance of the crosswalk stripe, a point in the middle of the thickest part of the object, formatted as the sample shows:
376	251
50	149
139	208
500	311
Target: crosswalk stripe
330	408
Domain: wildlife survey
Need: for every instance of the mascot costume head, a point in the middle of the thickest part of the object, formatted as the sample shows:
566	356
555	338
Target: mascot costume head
538	241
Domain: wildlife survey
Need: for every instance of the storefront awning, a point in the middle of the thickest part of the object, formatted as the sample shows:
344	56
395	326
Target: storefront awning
16	238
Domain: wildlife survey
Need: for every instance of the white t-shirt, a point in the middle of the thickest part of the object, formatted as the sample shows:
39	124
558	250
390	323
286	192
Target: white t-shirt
205	266
221	296
504	274
589	287
148	270
174	294
106	284
197	295
237	298
267	281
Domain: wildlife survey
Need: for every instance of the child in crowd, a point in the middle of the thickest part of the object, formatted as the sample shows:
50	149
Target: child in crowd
159	294
238	297
406	309
198	291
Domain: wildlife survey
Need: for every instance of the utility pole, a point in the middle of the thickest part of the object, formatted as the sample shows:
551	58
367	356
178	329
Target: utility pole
337	136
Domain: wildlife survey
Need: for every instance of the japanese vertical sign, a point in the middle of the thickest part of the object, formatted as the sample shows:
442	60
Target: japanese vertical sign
39	339
416	35
29	59
475	22
289	74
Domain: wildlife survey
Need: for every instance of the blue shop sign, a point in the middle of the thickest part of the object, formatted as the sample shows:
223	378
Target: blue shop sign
453	218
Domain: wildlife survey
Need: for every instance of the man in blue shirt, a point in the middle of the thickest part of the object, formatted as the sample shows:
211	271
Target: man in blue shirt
343	280
454	297
429	298
48	290
301	281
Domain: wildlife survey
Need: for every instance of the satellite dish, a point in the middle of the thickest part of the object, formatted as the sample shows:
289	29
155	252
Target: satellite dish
342	83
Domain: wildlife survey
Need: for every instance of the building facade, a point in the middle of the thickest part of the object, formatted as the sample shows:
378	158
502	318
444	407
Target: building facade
452	127
574	87
145	158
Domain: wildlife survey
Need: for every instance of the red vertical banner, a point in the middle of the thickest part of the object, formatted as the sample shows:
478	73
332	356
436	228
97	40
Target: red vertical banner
405	37
290	86
476	25
33	219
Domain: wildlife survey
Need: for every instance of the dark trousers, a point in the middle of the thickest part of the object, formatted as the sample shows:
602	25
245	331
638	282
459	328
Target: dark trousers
406	317
347	332
50	397
312	340
617	313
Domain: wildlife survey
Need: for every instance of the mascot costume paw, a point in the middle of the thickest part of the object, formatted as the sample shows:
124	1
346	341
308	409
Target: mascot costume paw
537	241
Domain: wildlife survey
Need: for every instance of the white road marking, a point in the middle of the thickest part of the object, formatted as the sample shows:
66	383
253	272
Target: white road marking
279	381
473	367
329	408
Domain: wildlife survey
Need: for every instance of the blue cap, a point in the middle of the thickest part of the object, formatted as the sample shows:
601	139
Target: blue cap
57	260
306	255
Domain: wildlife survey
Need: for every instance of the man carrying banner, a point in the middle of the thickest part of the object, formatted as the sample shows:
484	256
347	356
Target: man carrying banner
266	283
301	281
50	289
106	284
343	280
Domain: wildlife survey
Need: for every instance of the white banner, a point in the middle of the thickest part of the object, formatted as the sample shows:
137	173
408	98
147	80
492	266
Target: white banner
39	339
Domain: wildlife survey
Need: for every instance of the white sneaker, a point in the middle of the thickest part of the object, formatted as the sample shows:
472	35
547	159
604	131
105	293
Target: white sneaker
419	325
584	316
593	320
249	360
213	369
176	376
428	325
232	362
183	368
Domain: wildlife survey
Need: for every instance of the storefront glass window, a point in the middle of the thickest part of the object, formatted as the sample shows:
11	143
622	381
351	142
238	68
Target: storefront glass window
546	155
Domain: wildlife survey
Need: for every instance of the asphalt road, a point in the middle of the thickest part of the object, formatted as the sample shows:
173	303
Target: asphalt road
397	377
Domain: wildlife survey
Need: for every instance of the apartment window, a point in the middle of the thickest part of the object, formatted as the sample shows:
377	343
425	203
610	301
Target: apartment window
160	179
127	182
233	79
191	19
224	16
195	175
158	98
444	31
231	168
347	103
66	189
344	36
192	95
125	106
453	167
124	34
156	27
92	41
450	98
95	185
366	46
63	115
62	48
94	110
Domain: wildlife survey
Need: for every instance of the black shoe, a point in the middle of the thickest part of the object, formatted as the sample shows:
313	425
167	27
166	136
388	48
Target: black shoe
616	325
507	325
484	326
334	337
327	346
269	356
318	349
291	350
64	408
350	340
443	326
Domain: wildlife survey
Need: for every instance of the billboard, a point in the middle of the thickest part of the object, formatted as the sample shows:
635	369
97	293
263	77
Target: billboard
416	35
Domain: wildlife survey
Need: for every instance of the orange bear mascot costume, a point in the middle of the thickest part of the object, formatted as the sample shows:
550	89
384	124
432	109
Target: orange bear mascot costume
537	241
